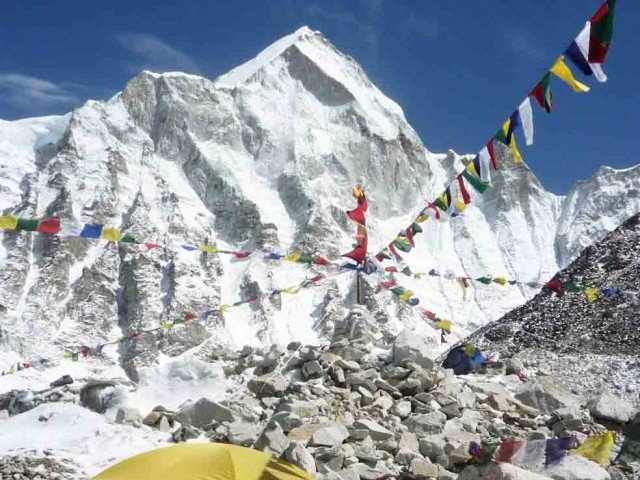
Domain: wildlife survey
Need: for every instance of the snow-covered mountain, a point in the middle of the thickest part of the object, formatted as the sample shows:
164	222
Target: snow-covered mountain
263	157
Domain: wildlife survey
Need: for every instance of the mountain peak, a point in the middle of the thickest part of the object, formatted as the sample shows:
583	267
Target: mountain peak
243	72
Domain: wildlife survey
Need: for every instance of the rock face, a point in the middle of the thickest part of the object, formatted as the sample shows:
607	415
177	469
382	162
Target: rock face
548	394
263	157
610	407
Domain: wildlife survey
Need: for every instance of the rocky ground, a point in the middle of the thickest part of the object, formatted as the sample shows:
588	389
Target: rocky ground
357	410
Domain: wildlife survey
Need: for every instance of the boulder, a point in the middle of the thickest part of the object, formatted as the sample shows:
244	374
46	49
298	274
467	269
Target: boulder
312	369
409	441
60	382
268	385
287	420
376	431
432	446
184	433
423	468
272	440
611	407
401	409
4	414
300	456
329	459
164	425
547	394
576	467
500	471
366	453
96	394
410	346
203	412
330	435
243	433
404	456
128	416
426	423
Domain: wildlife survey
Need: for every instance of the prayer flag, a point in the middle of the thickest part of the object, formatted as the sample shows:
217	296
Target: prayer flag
475	182
293	257
241	255
357	215
444	200
463	190
423	216
484	280
358	254
532	453
91	230
444	325
402	243
129	239
110	234
189	248
50	226
8	222
525	115
561	70
507	450
555	450
435	210
601	32
321	261
591	293
597	448
406	295
578	53
27	224
500	280
209	249
542	93
151	245
273	256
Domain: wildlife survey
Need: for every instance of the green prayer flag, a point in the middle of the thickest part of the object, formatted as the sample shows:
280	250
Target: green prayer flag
415	228
603	28
475	182
485	280
572	287
401	245
305	259
129	239
406	271
27	224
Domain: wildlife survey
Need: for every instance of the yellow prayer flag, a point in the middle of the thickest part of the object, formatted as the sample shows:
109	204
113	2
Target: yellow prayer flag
597	448
290	289
8	222
591	293
224	308
67	355
561	70
166	325
208	249
500	280
460	205
294	257
444	325
422	218
110	234
470	350
514	150
406	295
418	276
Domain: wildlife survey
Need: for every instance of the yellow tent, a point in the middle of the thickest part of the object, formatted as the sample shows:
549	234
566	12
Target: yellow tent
203	461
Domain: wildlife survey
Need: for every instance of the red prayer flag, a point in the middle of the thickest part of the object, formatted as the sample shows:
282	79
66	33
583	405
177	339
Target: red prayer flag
492	154
189	316
151	246
430	315
391	269
435	209
463	190
507	450
50	226
410	236
241	254
358	214
358	254
320	261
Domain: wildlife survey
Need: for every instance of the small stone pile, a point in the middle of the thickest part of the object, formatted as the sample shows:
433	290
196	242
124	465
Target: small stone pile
24	467
351	411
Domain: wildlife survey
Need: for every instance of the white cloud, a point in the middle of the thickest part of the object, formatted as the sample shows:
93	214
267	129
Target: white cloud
154	54
521	43
26	92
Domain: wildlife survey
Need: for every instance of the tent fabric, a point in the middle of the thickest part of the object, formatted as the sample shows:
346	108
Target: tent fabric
464	359
203	461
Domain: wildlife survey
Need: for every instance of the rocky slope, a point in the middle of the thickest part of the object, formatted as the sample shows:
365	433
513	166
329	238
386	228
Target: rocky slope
359	409
594	346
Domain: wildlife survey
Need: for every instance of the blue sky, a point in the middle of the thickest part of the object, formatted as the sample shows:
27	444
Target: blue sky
457	69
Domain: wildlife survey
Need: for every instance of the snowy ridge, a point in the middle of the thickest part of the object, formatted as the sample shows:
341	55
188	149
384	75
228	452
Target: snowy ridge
264	157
